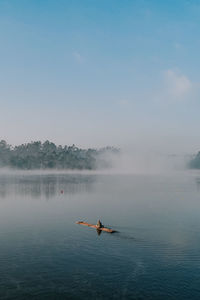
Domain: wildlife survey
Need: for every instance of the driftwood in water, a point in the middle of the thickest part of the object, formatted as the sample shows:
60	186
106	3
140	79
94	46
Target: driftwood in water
96	227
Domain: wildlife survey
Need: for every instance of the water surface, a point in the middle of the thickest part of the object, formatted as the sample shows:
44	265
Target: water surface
45	255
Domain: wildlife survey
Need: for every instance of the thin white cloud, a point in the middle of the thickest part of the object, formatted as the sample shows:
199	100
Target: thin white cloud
178	85
78	57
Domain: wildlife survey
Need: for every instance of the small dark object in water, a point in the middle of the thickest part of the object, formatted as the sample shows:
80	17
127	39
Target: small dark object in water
102	228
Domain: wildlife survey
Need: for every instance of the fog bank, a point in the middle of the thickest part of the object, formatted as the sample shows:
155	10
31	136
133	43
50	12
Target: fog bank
129	161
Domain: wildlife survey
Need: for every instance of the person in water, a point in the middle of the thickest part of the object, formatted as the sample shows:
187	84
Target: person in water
99	224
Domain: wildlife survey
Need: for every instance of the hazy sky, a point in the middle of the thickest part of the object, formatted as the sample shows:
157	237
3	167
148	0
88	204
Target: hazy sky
98	72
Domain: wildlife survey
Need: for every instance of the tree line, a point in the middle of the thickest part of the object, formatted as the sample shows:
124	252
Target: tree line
38	155
195	162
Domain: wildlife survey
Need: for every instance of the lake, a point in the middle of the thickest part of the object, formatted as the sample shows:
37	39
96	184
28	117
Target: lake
154	255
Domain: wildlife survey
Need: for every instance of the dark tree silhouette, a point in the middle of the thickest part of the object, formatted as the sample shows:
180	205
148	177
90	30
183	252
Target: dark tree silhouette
38	155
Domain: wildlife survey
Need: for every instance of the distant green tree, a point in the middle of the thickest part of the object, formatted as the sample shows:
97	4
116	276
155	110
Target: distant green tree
4	153
47	155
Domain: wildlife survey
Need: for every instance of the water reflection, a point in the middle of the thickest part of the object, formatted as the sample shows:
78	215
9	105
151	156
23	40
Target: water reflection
198	183
98	232
45	185
154	254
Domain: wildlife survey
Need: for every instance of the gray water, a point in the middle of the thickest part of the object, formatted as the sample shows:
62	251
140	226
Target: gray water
154	255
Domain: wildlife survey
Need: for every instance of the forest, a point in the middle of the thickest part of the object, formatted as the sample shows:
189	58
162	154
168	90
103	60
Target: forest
47	155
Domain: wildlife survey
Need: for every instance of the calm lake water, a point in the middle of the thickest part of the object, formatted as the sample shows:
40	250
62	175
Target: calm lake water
154	255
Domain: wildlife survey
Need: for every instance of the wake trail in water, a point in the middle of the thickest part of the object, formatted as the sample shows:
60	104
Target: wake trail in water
124	236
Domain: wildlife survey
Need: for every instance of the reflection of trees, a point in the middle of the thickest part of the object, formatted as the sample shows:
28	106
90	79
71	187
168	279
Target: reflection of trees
45	185
198	183
3	188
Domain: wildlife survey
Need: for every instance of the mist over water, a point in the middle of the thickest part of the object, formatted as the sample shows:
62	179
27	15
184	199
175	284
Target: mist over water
126	161
141	162
149	198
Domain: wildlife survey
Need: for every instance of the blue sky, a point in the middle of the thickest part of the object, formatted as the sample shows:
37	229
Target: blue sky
99	72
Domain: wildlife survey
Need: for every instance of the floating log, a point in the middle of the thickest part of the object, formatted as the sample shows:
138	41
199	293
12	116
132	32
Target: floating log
96	227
